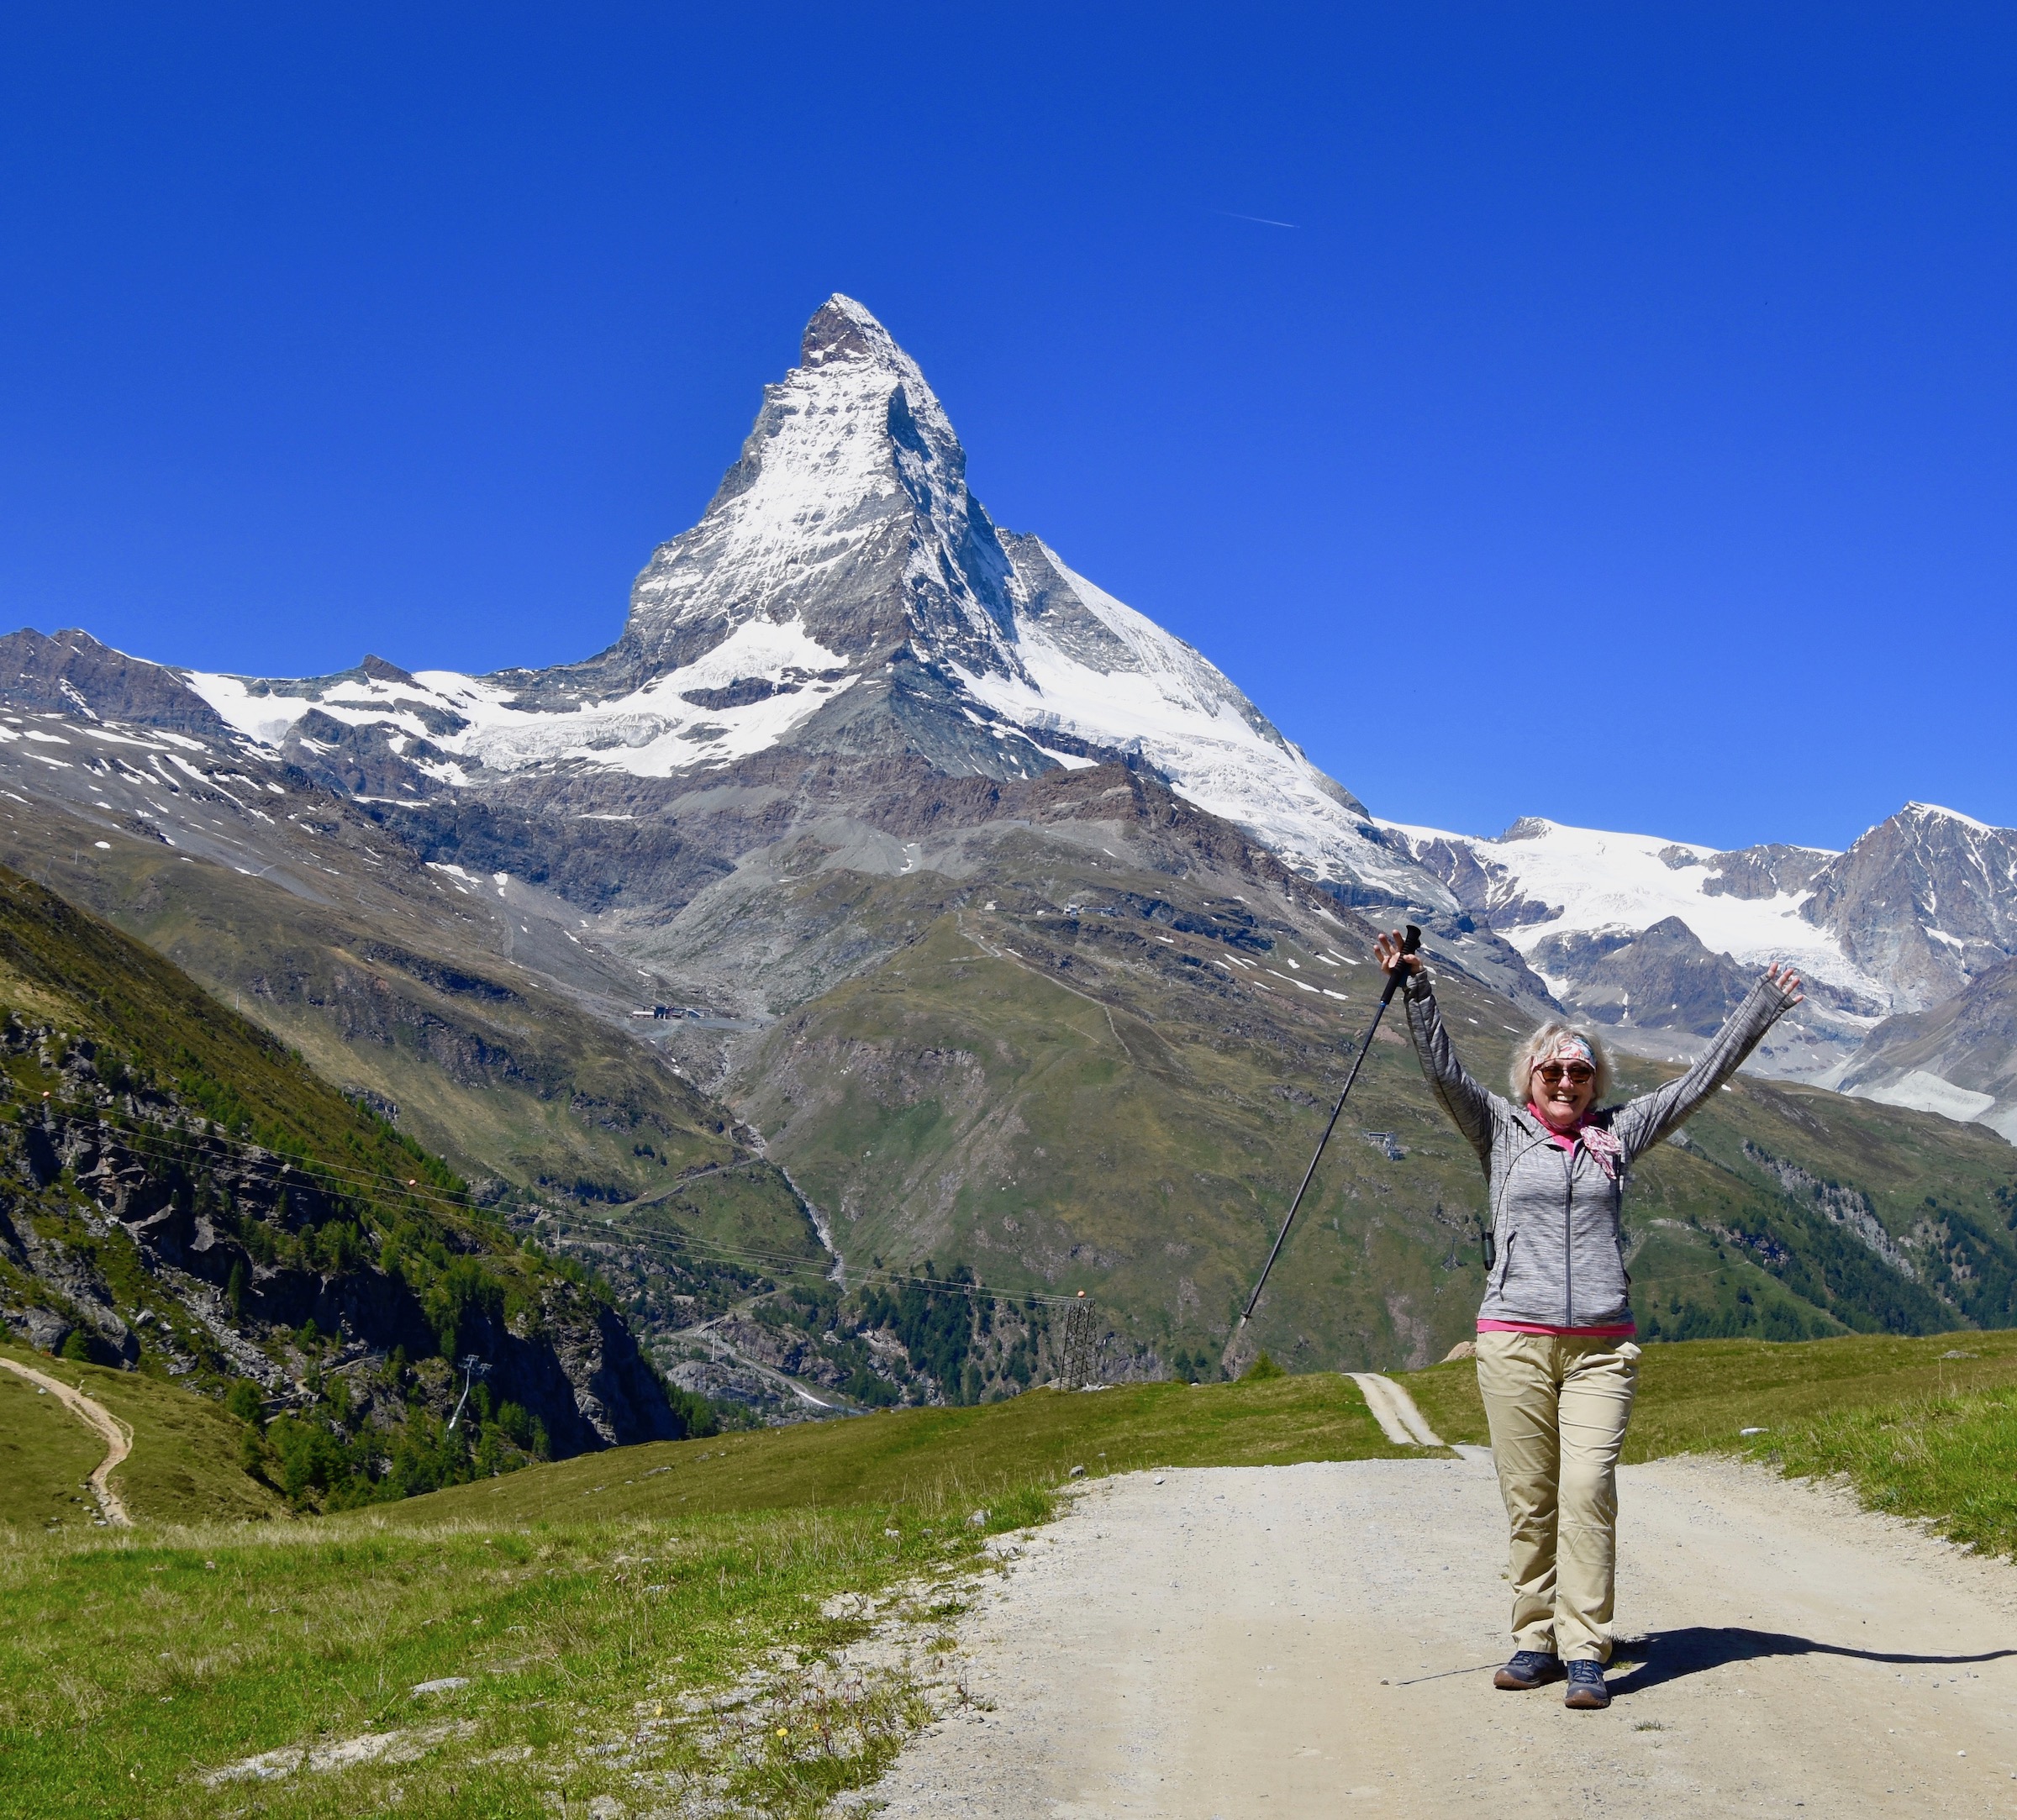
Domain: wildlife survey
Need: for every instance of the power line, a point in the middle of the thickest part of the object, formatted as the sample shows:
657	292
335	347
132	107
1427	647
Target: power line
212	1133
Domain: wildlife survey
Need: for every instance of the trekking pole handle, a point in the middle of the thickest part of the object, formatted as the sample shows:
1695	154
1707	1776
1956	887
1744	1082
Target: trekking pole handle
1410	943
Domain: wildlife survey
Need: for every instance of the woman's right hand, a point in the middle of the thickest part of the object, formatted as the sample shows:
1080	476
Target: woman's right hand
1386	950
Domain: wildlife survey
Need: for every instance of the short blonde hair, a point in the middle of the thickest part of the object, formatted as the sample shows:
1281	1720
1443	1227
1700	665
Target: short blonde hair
1541	1044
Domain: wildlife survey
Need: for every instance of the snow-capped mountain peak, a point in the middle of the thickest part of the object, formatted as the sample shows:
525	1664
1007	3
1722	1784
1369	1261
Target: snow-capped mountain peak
844	591
1932	812
848	508
1927	899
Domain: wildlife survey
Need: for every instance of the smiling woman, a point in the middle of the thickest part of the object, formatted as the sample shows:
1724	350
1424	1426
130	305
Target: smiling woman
1556	1362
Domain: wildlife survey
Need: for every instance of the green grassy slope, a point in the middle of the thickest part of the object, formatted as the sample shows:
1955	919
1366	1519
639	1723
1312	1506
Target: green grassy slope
389	982
578	1657
1700	1394
161	1032
669	1611
186	1466
1061	1104
931	1457
45	1456
596	1611
1752	1195
1949	1458
1923	1427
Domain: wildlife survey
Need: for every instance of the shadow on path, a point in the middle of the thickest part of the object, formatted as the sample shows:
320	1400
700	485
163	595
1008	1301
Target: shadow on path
1668	1655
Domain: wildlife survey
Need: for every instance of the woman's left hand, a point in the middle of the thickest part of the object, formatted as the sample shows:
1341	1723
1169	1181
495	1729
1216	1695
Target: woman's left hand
1787	982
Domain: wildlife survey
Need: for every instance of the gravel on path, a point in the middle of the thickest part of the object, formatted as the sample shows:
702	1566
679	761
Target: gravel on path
1319	1640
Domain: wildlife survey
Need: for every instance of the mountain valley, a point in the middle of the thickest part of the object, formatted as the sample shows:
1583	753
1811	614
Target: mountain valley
891	934
185	1198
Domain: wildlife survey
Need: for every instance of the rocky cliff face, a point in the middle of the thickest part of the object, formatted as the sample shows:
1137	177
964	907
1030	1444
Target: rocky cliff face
1925	901
1662	976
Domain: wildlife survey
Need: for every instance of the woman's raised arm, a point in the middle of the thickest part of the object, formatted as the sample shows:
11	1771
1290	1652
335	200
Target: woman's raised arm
1642	1123
1469	1105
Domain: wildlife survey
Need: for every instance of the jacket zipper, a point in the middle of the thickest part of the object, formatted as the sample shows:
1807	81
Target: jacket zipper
1505	1186
1568	1239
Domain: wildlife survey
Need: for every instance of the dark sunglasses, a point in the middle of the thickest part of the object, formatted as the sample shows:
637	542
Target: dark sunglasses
1576	1074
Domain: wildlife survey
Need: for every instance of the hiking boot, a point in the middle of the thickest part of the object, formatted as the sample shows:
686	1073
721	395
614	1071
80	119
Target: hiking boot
1588	1692
1529	1668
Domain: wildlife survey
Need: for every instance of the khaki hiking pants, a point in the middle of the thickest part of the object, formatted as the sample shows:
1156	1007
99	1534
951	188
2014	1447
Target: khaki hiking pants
1558	1408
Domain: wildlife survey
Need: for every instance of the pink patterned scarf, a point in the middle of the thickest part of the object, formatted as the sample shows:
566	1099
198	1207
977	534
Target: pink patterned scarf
1607	1152
1603	1147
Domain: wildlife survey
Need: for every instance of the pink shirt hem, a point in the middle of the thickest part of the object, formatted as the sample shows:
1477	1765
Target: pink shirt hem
1625	1332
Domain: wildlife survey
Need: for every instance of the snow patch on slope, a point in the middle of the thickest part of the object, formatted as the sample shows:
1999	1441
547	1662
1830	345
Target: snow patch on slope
247	707
1158	698
1594	882
652	732
1924	1091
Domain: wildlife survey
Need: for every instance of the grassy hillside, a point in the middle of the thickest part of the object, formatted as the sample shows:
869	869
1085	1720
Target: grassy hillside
683	1625
560	1665
934	1457
186	1466
676	1622
196	1204
1701	1394
45	1456
1923	1428
1124	1104
391	981
1781	1199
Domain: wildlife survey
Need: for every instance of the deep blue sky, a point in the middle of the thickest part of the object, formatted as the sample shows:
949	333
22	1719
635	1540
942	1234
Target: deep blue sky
1644	373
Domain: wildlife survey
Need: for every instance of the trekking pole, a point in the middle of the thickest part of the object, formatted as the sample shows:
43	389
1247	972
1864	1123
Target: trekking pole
1409	946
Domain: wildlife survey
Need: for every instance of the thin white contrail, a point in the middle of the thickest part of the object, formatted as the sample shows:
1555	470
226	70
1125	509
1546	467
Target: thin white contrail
1264	221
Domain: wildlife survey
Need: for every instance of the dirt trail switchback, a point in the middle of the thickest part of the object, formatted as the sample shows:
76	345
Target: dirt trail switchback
118	1437
1311	1640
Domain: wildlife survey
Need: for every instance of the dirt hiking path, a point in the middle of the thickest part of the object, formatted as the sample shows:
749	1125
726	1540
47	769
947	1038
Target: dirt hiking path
1319	1640
118	1438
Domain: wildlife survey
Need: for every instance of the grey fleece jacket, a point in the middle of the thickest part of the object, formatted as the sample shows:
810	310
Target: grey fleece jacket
1561	1250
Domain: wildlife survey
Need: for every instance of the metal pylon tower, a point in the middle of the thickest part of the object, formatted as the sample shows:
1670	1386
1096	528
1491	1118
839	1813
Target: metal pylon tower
1078	1353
